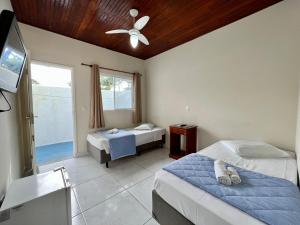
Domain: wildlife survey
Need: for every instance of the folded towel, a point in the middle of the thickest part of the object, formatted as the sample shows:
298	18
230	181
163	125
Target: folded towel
234	176
221	173
113	131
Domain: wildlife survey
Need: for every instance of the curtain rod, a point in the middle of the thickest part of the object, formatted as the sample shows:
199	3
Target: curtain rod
84	64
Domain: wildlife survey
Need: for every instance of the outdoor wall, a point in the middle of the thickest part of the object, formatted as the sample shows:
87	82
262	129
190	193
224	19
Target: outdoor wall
53	121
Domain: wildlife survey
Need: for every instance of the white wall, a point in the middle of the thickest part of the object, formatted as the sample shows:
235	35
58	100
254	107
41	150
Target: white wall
298	133
239	81
53	122
50	47
10	166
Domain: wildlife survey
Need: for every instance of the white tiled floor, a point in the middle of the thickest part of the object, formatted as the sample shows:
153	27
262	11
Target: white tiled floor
151	222
119	195
143	192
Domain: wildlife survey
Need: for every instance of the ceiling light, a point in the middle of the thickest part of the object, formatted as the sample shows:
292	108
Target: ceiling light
134	40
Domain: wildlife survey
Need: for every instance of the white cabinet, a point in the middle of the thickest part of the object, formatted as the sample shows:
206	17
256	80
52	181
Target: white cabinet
43	199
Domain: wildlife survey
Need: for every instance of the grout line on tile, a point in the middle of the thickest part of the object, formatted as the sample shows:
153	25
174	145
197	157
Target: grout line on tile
84	218
74	185
140	202
77	201
147	221
99	203
139	182
127	188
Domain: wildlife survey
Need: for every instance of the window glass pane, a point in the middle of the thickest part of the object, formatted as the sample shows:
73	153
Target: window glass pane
123	93
107	90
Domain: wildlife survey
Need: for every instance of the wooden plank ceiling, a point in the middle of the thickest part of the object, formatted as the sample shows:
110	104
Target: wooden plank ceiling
172	22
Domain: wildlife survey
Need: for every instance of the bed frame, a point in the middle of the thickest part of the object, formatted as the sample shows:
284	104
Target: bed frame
165	214
102	157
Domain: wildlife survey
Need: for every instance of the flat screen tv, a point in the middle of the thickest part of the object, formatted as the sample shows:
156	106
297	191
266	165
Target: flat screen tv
13	52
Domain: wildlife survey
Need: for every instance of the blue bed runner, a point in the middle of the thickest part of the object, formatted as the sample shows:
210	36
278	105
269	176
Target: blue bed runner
272	200
121	144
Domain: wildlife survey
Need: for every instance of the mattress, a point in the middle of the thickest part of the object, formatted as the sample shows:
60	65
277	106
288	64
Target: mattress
141	137
202	208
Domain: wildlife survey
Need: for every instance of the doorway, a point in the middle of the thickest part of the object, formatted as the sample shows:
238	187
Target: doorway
53	112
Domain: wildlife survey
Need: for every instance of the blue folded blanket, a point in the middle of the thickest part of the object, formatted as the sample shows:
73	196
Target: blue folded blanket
121	144
272	200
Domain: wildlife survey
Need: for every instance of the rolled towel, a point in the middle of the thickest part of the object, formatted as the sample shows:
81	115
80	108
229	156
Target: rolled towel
234	176
221	173
113	131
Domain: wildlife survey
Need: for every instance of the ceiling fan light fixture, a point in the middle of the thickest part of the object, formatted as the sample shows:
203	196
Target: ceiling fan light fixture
134	33
134	40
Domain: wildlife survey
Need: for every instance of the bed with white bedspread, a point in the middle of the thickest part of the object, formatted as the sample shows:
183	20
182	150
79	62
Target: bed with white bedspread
202	208
99	148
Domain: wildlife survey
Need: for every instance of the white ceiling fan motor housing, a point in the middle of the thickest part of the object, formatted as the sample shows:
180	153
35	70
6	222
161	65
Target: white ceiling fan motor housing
133	12
134	32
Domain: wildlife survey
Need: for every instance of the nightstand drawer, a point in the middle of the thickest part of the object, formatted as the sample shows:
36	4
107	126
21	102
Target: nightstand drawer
177	130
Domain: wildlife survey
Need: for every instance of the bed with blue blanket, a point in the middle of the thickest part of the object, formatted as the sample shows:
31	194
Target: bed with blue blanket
185	194
105	146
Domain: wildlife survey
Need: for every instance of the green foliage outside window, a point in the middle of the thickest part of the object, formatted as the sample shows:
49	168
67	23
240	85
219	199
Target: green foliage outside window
107	82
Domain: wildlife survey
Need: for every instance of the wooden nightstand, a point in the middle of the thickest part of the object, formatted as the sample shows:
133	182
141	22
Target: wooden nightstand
190	145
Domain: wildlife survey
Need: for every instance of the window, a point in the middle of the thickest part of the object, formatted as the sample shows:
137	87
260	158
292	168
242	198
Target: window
116	91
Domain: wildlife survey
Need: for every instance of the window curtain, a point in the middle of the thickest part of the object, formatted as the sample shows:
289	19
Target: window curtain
96	106
137	98
24	97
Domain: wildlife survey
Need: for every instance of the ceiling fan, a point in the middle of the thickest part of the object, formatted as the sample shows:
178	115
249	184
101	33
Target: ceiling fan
134	33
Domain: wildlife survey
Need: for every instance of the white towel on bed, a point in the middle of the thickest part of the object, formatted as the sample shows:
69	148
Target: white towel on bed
221	173
234	176
113	131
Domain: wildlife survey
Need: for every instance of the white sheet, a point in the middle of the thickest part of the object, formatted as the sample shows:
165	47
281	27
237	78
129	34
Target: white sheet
202	208
141	137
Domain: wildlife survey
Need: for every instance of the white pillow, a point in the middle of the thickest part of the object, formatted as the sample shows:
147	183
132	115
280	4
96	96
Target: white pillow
145	126
256	149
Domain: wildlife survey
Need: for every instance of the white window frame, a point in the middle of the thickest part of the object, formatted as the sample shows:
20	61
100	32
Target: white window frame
122	76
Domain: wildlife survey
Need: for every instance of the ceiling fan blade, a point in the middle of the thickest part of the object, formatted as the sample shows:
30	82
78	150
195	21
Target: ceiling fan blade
141	22
143	39
119	31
